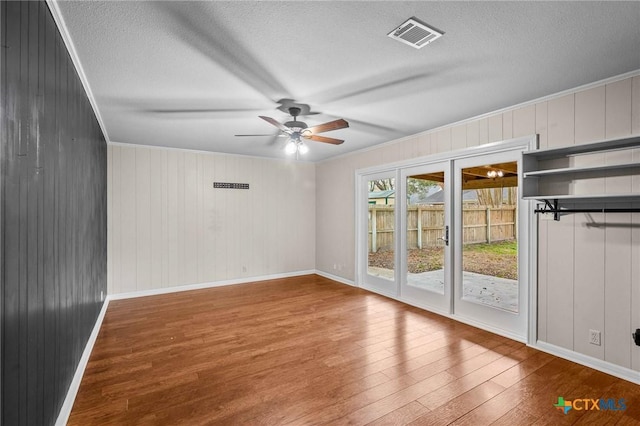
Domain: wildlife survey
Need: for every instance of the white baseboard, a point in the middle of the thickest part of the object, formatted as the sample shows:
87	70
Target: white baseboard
67	405
335	278
199	286
588	361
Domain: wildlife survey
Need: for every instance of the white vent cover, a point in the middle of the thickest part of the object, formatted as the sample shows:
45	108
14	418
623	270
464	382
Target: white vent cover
414	33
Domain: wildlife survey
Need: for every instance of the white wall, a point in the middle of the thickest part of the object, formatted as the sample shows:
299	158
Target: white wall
168	226
588	277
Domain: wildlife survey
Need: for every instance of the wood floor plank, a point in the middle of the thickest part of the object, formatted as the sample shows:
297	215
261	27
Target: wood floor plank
308	350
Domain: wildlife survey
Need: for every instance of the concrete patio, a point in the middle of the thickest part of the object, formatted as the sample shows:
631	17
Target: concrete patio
500	293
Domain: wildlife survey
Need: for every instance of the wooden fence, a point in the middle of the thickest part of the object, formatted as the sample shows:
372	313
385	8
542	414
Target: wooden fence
425	225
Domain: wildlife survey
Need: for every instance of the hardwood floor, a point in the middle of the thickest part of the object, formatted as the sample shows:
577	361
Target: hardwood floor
307	350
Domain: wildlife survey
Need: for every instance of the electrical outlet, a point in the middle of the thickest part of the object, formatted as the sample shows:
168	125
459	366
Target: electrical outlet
594	337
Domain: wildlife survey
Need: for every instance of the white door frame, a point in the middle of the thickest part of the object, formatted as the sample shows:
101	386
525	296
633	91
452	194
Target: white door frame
361	210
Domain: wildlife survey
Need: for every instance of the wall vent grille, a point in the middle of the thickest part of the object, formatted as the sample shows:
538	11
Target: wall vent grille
415	33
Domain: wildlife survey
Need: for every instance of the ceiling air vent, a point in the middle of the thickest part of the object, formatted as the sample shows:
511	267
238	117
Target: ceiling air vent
415	33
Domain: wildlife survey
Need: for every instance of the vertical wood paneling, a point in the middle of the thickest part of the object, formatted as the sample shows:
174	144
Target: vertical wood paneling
617	285
560	279
443	138
128	231
542	115
635	125
473	133
483	125
589	127
142	196
54	222
618	123
115	236
635	286
190	263
424	144
507	125
186	232
588	288
173	273
459	137
495	128
543	280
561	121
589	115
155	218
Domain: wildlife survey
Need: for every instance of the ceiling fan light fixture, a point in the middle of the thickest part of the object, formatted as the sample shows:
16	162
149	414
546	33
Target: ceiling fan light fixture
290	148
303	148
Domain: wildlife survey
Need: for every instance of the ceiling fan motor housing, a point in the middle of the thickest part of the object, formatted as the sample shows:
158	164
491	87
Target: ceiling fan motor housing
295	124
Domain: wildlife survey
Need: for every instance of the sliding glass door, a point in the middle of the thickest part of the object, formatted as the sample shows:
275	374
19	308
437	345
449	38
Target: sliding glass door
378	194
425	249
451	235
490	287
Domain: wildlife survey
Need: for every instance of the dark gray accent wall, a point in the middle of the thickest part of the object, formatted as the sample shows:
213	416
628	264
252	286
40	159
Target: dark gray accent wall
53	216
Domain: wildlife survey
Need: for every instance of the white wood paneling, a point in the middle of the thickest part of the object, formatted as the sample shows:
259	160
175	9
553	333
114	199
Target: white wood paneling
424	144
459	137
618	123
560	251
473	133
617	286
542	129
443	138
483	125
589	127
495	128
635	125
635	286
169	227
127	224
507	125
524	121
561	121
142	219
543	280
156	220
588	288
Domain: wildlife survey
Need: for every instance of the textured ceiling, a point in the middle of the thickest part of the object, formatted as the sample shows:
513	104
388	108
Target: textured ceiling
193	74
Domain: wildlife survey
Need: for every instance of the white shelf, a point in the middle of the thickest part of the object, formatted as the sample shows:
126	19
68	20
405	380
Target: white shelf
548	175
582	169
587	198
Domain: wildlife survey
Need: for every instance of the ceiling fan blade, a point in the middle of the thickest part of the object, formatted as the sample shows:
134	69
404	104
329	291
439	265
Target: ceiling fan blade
279	135
331	125
197	110
276	123
324	139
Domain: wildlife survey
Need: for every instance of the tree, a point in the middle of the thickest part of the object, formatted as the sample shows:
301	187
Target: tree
419	186
381	184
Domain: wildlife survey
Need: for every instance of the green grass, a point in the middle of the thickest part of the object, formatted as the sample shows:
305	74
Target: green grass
503	247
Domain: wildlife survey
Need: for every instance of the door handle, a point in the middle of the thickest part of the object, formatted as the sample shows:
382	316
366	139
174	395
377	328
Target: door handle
446	235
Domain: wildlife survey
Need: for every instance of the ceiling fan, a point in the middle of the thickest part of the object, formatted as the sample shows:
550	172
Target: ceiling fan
298	130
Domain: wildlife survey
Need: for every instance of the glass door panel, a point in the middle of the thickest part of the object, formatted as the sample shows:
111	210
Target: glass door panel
488	286
379	233
425	276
